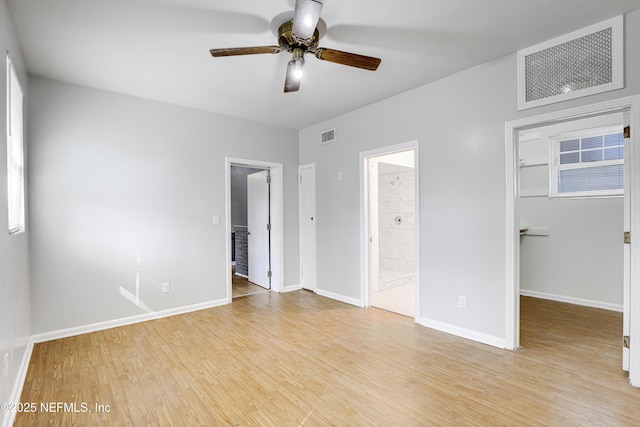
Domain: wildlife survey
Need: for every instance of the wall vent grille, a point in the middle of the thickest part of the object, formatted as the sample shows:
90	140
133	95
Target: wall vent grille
328	136
581	63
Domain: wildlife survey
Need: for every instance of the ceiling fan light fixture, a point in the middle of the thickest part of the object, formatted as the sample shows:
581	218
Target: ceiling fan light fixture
306	16
295	69
296	64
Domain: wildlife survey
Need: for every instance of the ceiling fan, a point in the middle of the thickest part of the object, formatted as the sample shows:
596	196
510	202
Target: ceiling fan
300	36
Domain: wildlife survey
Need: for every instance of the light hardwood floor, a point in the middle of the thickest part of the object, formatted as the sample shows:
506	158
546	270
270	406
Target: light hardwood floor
300	359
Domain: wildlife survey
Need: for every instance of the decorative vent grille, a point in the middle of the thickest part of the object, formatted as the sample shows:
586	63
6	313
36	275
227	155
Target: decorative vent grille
328	136
578	64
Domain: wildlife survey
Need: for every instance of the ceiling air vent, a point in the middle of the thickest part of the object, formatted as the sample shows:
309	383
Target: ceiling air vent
580	63
328	136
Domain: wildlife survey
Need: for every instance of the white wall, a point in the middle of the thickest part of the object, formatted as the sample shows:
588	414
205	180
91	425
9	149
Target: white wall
15	312
114	176
581	259
459	122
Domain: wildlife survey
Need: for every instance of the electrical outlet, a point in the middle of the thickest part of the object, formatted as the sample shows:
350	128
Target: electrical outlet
462	301
166	288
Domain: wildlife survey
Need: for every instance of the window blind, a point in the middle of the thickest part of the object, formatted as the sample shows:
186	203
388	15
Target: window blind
588	163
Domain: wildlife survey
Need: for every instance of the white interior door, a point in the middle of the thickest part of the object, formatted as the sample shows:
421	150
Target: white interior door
258	227
627	248
307	194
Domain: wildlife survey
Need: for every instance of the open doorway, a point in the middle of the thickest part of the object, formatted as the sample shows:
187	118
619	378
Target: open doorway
629	108
249	252
254	226
391	213
572	216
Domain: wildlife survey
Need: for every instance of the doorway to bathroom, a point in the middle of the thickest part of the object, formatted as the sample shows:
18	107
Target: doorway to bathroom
390	204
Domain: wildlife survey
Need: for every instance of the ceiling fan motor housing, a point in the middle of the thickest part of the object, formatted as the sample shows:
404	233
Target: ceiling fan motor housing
289	42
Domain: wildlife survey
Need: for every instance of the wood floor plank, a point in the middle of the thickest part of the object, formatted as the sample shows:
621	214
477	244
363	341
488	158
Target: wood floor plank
300	359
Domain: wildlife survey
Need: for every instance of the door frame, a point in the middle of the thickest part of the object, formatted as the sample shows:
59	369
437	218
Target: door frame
512	232
365	266
277	222
313	243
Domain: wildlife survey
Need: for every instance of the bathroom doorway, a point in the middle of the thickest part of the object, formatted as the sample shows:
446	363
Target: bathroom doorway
391	217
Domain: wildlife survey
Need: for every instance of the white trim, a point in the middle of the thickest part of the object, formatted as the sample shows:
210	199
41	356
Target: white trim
617	58
572	300
125	321
338	297
364	218
463	333
512	204
277	219
292	288
512	240
372	178
364	227
10	416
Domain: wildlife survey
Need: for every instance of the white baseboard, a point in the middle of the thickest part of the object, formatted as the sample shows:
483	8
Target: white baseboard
341	298
463	333
10	416
79	330
291	288
572	300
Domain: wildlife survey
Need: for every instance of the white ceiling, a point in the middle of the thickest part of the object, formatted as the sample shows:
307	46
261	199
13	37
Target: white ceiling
159	49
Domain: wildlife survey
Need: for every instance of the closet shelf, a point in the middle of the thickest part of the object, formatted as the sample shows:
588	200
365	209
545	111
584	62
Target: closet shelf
534	231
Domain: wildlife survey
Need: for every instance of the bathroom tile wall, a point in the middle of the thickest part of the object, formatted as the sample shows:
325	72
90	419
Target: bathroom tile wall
396	222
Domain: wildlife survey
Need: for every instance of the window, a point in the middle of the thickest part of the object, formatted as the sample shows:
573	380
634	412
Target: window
587	163
15	158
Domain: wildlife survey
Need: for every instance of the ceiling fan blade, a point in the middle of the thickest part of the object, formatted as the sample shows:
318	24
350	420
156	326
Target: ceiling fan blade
235	51
305	19
346	58
291	82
